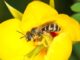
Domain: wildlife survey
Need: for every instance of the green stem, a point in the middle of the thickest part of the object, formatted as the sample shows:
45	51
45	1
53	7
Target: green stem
35	51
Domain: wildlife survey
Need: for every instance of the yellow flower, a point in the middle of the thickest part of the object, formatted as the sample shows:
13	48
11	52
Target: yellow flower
70	26
14	44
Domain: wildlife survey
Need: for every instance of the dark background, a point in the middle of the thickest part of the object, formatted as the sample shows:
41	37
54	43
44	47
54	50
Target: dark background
63	6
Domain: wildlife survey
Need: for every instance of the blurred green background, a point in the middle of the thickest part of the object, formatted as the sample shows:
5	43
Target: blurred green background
62	6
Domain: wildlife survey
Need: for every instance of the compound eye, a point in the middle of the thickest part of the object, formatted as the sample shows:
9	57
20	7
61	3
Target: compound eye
29	36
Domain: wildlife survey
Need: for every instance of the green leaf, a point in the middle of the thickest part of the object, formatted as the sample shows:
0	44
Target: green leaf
73	57
35	51
76	49
14	12
76	16
76	7
76	0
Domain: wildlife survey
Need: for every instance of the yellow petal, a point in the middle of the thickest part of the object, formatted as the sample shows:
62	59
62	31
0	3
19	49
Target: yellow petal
14	12
11	46
36	14
60	48
69	25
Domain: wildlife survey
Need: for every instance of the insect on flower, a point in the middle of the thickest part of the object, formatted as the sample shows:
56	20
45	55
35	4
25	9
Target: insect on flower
36	34
32	35
37	14
51	28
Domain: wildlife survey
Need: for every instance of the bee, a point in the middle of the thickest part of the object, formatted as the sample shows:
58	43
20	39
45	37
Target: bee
33	34
51	28
28	35
36	34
